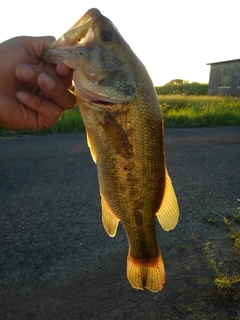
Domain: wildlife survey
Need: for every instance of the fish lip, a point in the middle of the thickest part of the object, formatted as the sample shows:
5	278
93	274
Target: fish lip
92	97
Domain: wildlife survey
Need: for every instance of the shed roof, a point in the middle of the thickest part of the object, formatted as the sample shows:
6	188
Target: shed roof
223	61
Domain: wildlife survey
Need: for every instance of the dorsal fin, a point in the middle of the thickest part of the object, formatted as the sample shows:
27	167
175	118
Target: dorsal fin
168	212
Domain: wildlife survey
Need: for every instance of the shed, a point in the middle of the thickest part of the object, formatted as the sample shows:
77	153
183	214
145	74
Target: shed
224	78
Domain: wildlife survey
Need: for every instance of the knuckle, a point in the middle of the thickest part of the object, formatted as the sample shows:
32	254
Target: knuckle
38	102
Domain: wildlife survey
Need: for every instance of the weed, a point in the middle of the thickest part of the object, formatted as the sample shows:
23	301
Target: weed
194	241
212	220
225	282
233	234
180	248
221	280
211	260
235	216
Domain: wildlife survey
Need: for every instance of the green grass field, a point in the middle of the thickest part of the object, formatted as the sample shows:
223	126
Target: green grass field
179	111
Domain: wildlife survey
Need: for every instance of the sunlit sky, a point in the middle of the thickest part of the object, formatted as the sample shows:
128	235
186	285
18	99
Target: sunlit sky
174	39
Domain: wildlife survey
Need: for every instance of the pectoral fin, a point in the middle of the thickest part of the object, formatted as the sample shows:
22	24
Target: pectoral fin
168	212
109	219
117	136
91	147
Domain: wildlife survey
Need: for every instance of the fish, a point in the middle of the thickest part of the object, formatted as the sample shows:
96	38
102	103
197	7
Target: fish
125	134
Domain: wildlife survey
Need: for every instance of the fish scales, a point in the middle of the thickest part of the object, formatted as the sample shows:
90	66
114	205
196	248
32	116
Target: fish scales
124	127
132	185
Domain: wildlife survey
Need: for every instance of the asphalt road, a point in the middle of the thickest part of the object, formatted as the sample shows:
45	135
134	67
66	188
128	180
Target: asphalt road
57	262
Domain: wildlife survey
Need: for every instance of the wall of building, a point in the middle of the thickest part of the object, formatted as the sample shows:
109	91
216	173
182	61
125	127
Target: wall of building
225	78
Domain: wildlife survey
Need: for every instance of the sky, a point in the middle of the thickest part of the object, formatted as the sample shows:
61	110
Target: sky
175	39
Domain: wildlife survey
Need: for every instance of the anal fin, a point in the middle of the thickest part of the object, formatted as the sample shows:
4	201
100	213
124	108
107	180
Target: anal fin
168	212
109	219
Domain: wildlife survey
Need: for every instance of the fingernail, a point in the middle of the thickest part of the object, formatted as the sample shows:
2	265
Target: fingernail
46	82
21	95
24	72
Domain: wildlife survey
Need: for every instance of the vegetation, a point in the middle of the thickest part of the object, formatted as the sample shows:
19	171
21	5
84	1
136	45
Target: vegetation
234	234
183	104
179	86
221	280
181	111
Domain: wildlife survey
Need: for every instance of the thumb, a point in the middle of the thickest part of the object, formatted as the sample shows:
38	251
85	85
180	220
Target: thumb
39	44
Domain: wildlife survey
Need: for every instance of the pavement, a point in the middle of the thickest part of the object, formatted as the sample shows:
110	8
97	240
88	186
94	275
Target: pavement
57	262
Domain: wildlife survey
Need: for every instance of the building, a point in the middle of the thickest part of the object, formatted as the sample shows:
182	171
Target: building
224	78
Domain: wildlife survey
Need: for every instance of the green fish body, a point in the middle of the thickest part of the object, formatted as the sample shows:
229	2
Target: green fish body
124	127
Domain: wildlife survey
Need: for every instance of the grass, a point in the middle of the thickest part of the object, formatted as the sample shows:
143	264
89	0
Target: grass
234	234
221	280
70	121
179	111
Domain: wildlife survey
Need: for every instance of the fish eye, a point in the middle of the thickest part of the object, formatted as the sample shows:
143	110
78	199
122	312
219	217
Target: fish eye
107	35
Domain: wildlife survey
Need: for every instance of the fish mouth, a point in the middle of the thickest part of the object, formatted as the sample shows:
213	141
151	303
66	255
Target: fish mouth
84	48
90	96
87	85
62	50
67	49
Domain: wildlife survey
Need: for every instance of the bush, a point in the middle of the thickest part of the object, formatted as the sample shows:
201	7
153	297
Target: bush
183	87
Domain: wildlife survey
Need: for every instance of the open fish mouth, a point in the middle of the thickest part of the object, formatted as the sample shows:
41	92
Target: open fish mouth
86	49
62	50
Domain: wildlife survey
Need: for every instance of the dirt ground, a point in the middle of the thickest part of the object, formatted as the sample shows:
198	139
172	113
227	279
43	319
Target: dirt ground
57	262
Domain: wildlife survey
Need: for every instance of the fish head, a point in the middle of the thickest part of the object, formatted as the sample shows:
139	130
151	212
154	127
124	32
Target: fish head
100	58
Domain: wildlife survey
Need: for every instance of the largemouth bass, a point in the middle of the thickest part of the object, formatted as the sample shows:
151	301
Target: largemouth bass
124	129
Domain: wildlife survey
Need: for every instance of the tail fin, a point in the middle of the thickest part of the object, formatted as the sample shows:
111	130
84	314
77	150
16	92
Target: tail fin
149	274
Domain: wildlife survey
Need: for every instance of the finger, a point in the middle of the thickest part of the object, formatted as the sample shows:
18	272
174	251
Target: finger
30	73
63	71
58	92
36	45
47	111
25	73
56	89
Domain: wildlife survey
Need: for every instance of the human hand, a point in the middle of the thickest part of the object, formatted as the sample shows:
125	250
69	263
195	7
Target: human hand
33	93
